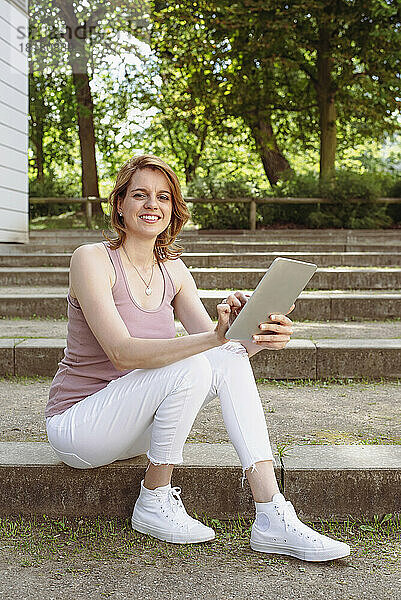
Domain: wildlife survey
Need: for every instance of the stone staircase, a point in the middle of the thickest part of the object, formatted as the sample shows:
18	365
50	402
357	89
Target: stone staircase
356	284
346	325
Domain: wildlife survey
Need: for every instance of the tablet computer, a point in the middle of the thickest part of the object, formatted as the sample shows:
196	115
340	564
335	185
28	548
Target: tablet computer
276	292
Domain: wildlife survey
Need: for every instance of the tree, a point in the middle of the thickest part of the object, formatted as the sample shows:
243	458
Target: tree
173	83
218	65
51	103
71	35
349	50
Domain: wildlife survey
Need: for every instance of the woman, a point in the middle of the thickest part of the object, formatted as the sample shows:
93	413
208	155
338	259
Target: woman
127	386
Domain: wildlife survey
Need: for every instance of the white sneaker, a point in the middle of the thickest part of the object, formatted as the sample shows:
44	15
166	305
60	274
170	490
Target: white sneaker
161	513
278	530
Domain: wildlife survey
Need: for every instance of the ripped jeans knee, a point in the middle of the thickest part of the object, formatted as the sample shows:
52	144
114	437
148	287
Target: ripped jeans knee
235	347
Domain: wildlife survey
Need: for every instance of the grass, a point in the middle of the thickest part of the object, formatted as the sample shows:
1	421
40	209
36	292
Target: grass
319	383
75	220
43	538
67	220
291	383
24	380
283	448
34	317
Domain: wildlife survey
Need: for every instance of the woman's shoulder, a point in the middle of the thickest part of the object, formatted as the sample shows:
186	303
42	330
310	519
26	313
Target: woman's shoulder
176	267
91	257
96	249
89	254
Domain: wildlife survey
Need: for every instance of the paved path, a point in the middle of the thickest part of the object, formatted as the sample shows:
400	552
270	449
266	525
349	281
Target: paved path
315	413
206	573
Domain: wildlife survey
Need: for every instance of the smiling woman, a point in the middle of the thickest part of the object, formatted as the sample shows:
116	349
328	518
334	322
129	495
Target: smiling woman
132	183
127	385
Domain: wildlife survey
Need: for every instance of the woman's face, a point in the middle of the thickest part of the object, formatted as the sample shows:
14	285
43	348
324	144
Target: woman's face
148	193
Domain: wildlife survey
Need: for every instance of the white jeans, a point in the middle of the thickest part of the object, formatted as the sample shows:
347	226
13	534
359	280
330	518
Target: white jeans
152	411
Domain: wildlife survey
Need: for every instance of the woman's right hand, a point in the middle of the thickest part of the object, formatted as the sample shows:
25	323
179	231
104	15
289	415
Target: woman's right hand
223	314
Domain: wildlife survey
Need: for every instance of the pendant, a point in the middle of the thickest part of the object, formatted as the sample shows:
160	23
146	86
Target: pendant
148	291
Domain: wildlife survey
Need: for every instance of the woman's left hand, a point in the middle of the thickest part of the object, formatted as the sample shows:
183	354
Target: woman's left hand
272	335
278	336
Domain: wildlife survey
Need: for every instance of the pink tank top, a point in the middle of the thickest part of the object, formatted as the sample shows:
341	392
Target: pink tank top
85	367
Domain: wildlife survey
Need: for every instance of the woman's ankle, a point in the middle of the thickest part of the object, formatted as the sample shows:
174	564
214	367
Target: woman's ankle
262	481
157	476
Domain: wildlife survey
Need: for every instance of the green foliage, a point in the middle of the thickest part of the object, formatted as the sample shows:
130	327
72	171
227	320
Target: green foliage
395	190
220	215
208	85
394	210
53	187
364	214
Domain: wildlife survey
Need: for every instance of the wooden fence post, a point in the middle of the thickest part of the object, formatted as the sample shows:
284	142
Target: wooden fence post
88	213
252	215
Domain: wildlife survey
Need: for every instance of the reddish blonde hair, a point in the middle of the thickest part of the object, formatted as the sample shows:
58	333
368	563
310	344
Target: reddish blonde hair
165	246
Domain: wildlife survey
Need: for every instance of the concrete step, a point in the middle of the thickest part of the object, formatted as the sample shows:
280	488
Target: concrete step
319	359
358	480
315	330
26	302
326	278
240	246
340	235
229	259
297	412
216	245
261	260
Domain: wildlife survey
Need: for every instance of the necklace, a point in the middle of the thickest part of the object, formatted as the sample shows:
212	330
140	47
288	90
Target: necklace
148	289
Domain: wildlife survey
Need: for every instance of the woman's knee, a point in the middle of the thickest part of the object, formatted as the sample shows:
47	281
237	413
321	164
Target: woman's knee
198	372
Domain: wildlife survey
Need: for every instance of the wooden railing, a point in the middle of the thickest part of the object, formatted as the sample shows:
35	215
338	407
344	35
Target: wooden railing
88	201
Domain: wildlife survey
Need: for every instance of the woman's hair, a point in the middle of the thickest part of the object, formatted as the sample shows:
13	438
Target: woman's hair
165	246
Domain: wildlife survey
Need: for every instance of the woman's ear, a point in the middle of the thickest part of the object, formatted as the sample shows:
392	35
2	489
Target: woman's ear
119	204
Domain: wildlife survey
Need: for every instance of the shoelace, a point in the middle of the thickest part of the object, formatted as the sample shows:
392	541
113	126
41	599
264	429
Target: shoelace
291	521
174	504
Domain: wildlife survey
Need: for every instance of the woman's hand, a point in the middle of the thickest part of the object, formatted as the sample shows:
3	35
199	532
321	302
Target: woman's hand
236	302
223	315
227	312
278	336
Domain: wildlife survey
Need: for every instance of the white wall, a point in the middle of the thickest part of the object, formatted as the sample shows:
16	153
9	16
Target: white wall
14	206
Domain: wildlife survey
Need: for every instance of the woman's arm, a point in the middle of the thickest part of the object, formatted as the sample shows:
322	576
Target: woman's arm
193	315
91	283
190	310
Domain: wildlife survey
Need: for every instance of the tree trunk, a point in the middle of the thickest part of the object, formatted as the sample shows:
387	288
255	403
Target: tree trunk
37	140
37	114
190	171
39	158
274	162
327	108
78	59
90	186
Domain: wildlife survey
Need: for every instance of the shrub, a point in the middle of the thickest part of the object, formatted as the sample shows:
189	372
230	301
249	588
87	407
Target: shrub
360	215
218	215
394	210
365	214
52	187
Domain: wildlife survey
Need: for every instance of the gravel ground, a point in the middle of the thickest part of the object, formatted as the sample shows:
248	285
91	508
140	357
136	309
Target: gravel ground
47	328
319	413
224	576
